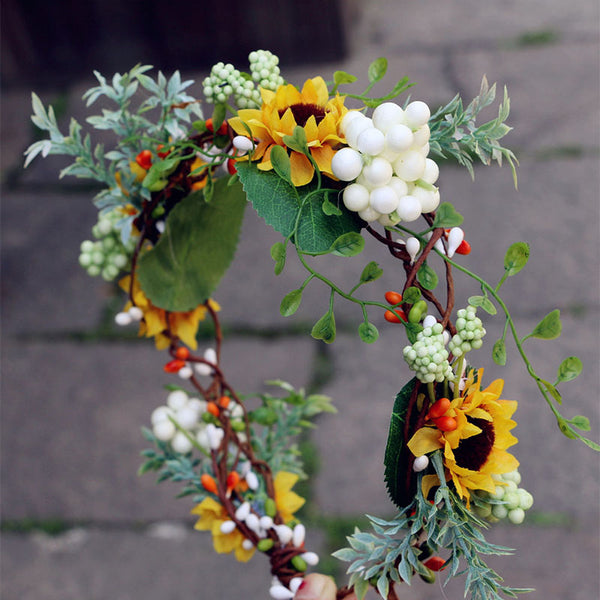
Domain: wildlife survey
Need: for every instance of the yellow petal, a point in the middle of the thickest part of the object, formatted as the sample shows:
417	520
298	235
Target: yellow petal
311	130
287	123
243	555
284	481
323	157
224	543
425	440
429	481
302	169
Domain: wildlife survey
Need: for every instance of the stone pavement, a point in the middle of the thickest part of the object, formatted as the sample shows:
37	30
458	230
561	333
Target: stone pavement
75	391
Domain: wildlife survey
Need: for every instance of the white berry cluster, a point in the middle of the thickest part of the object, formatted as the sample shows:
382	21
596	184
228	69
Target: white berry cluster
106	256
185	419
387	162
469	332
509	501
428	356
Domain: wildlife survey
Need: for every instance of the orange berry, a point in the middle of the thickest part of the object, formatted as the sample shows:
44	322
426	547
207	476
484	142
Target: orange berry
232	479
395	316
231	166
173	366
438	408
224	401
222	129
208	483
144	159
435	563
182	353
446	423
393	297
464	248
212	408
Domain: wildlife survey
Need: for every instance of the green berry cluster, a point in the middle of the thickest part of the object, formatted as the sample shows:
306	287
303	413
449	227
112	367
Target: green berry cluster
509	501
264	69
428	356
469	332
225	80
106	256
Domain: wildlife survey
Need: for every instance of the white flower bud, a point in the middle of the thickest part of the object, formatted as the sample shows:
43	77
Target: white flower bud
284	533
310	558
252	480
413	247
455	239
420	463
266	522
429	321
123	319
295	583
247	545
203	369
298	535
136	313
227	526
242	144
211	356
279	592
252	522
185	372
242	511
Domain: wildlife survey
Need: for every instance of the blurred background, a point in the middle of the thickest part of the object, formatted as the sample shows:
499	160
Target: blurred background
76	521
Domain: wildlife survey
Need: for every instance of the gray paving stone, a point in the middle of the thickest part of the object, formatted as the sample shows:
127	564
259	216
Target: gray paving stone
367	378
554	92
44	288
71	433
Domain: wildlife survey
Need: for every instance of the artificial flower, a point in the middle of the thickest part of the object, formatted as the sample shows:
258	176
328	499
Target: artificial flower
157	320
287	502
476	450
287	108
212	515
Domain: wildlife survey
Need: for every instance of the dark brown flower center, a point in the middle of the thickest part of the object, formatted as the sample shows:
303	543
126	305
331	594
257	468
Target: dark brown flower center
303	112
474	451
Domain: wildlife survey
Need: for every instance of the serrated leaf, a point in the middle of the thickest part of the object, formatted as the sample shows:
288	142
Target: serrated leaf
278	204
580	422
341	78
447	216
278	253
281	163
427	277
549	327
411	295
569	369
195	250
324	328
483	302
348	244
499	352
371	272
377	69
368	332
290	303
516	257
396	455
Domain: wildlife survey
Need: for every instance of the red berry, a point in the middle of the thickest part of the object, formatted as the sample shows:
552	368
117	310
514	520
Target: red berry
438	408
395	316
182	353
435	563
144	159
393	297
212	408
174	366
446	423
160	152
222	129
464	248
231	166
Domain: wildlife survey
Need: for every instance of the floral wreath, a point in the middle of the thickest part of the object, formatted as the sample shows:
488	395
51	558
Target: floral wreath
324	169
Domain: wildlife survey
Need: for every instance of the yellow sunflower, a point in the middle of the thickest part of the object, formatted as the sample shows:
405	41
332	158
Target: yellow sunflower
287	108
212	515
154	323
476	449
287	502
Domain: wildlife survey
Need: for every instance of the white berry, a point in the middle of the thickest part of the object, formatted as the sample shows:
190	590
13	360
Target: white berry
378	172
384	200
371	141
399	138
164	430
410	165
177	399
386	115
409	208
356	197
417	114
181	444
346	164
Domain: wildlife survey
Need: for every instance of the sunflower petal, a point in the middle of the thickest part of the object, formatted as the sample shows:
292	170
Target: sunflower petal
425	440
302	170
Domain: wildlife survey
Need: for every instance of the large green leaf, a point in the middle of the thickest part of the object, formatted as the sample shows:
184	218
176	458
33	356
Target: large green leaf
397	455
280	204
195	250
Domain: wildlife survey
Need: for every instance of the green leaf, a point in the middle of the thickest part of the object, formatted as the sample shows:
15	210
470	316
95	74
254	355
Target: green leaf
330	209
280	204
290	303
348	244
361	587
368	332
278	255
412	329
592	445
499	352
195	250
396	454
566	429
569	369
552	390
484	302
580	422
549	327
377	69
446	216
341	78
263	416
371	272
324	328
281	163
297	141
411	295
427	277
218	116
516	257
